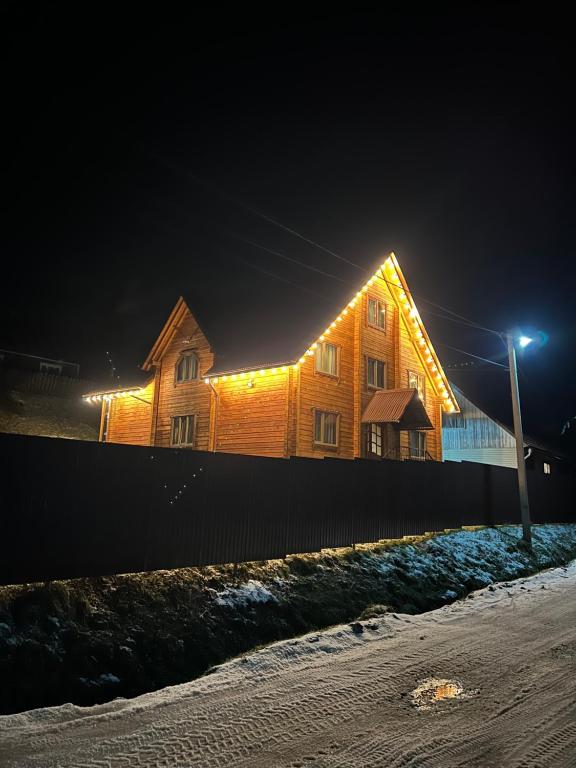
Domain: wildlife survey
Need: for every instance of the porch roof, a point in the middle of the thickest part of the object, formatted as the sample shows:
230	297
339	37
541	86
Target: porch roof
401	407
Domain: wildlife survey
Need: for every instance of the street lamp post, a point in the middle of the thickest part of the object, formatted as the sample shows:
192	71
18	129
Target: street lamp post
522	483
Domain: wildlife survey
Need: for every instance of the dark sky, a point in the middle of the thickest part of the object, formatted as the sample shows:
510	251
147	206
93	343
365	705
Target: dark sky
135	146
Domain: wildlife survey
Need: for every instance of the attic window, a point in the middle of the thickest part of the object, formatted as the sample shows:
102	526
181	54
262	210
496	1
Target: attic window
546	468
187	367
377	313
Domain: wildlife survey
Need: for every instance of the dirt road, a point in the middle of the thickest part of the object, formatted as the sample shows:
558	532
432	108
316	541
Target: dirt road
342	698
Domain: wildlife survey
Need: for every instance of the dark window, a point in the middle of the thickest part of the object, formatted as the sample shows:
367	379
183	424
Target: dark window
376	373
187	368
325	428
183	430
417	445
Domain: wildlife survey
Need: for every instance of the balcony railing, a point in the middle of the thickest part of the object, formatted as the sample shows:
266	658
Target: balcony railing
404	453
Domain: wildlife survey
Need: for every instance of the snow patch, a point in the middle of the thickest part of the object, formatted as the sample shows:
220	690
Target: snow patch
250	592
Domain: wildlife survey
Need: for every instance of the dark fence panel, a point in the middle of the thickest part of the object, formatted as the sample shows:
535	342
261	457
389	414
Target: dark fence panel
71	508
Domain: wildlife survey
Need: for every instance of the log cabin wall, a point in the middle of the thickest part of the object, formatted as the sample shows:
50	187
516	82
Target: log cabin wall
188	397
131	417
333	394
380	344
252	415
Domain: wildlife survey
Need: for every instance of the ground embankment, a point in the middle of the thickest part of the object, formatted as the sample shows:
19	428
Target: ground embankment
90	640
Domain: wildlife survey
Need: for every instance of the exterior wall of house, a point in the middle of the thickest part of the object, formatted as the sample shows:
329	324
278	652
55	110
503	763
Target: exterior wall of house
410	360
472	435
130	418
252	414
333	394
276	416
378	344
186	398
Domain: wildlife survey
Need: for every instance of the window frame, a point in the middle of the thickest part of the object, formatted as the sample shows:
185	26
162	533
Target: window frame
318	443
371	441
337	358
194	425
381	302
384	373
423	449
181	357
421	376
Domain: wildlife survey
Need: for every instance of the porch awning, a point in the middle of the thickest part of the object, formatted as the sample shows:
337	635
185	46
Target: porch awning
401	407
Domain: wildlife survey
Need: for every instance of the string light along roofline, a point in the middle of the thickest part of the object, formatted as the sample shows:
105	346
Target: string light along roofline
391	274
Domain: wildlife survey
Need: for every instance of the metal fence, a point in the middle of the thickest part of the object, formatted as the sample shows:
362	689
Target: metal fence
70	508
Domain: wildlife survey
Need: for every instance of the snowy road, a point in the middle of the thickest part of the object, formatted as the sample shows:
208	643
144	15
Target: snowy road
340	699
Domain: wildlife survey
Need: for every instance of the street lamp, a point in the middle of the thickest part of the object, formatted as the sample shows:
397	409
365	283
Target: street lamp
523	341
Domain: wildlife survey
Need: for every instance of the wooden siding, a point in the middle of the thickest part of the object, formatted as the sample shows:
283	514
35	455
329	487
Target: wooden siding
410	360
188	397
480	438
378	344
319	391
253	419
130	418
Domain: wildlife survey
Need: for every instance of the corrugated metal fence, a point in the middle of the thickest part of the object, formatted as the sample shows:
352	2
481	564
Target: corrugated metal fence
71	508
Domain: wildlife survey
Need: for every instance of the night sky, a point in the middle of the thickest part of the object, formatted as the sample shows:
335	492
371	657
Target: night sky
140	153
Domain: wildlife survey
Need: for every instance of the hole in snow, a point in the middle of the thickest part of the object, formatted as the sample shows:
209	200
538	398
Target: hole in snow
433	690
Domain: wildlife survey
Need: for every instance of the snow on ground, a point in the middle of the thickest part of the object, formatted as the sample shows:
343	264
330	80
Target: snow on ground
343	698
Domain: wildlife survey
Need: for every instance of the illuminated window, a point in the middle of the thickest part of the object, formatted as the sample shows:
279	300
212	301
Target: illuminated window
376	373
377	313
327	358
187	367
183	428
375	439
546	468
325	428
417	445
416	381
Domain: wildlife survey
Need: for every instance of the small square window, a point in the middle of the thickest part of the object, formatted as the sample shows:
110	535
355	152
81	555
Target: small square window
546	468
376	313
376	373
183	431
326	428
327	358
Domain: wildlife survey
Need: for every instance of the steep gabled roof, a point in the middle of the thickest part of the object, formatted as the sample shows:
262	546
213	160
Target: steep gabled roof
252	330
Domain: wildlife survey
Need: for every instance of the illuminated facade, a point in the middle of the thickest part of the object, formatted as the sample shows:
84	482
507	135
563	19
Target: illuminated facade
368	385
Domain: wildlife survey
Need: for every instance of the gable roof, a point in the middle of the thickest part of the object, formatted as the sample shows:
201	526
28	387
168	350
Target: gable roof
252	327
480	399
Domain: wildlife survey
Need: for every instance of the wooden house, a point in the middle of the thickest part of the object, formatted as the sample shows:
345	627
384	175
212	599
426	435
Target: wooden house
474	435
365	382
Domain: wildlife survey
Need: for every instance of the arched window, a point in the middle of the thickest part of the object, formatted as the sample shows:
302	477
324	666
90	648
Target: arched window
187	367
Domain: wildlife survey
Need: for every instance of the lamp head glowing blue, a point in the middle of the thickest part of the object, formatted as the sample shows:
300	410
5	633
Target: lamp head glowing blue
524	341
